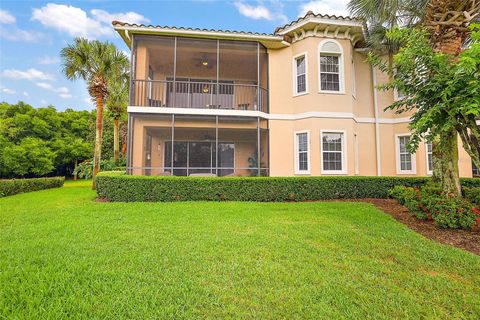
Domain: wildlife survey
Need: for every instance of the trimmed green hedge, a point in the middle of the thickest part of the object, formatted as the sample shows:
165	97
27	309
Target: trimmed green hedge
115	186
14	186
472	195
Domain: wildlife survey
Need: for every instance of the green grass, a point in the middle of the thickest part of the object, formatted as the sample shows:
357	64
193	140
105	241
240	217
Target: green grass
62	255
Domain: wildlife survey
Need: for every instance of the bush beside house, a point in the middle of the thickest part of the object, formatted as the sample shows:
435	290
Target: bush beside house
116	186
14	186
428	203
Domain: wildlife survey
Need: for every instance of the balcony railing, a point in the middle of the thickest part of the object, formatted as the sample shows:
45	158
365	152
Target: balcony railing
192	94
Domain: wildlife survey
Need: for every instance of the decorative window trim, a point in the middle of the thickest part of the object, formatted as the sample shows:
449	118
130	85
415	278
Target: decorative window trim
296	151
341	67
295	78
344	152
397	156
429	172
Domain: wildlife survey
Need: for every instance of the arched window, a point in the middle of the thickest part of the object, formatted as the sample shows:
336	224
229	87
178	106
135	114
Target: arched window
331	67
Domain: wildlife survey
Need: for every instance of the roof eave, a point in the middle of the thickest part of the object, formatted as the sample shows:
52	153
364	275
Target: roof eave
267	40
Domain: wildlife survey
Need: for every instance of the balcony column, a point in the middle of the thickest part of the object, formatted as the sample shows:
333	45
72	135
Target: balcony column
216	145
174	79
173	141
258	78
258	146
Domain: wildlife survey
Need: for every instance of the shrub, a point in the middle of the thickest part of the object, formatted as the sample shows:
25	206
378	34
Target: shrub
428	203
472	195
14	186
115	187
84	170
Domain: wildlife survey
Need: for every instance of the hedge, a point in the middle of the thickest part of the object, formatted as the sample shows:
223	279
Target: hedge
118	187
472	195
14	186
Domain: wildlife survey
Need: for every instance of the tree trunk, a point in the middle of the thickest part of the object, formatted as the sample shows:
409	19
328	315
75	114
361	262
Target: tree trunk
450	178
116	146
436	162
97	155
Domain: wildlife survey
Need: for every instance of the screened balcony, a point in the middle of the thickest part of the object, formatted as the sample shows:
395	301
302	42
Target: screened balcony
176	72
184	145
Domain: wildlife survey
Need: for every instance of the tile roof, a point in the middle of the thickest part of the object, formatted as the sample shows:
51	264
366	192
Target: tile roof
323	16
134	25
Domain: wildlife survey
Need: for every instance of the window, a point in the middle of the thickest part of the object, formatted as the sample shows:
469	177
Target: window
428	151
398	95
333	152
475	170
331	67
405	160
300	66
302	153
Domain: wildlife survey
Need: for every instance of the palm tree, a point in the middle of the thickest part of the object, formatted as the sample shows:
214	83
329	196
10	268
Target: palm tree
94	62
447	22
116	102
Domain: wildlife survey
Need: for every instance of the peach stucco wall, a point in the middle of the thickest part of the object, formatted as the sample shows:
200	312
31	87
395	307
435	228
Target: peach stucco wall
352	111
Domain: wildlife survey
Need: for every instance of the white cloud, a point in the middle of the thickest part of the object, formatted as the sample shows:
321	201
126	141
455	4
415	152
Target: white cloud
331	7
259	12
9	91
6	17
63	92
25	93
43	102
30	74
77	23
106	17
48	60
16	34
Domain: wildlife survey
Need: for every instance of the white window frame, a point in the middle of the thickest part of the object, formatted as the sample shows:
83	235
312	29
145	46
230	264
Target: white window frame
396	96
296	152
397	156
429	172
344	152
295	76
341	67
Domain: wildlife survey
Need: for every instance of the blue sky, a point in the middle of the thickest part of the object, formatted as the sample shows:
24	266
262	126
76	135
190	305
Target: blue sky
32	34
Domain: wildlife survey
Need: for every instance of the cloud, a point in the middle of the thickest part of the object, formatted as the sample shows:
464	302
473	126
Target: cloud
43	102
48	60
259	12
9	91
6	17
15	34
332	7
106	17
77	23
25	93
30	74
62	91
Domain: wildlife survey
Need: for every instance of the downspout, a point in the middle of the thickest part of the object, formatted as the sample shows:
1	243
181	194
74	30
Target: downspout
377	123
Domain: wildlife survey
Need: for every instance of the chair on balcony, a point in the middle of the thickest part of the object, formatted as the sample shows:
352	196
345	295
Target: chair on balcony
154	103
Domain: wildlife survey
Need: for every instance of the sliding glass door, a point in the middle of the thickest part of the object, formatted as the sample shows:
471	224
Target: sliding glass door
200	157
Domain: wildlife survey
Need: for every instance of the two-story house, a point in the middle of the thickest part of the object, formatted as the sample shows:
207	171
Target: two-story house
300	101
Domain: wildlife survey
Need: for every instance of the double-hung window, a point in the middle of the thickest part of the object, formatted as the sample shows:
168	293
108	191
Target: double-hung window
405	160
429	154
331	68
300	66
333	153
302	152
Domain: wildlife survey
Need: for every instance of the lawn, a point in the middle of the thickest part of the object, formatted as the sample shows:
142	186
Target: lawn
63	255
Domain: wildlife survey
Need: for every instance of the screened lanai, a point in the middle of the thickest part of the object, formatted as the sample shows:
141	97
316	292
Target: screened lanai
197	145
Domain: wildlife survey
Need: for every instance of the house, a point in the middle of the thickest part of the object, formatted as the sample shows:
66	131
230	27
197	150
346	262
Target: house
300	101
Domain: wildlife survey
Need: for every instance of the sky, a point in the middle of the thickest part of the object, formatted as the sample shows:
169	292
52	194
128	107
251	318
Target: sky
32	33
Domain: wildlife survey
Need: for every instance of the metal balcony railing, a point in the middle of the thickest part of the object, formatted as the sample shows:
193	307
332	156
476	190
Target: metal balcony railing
192	94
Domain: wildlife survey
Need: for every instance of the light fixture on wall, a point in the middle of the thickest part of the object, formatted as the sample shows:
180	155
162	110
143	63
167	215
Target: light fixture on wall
205	89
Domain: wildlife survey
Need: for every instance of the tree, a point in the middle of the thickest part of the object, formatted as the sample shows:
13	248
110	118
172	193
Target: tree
29	134
447	22
117	101
94	62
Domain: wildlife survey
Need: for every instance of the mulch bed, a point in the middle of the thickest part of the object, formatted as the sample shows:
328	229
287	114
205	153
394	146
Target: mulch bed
463	239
